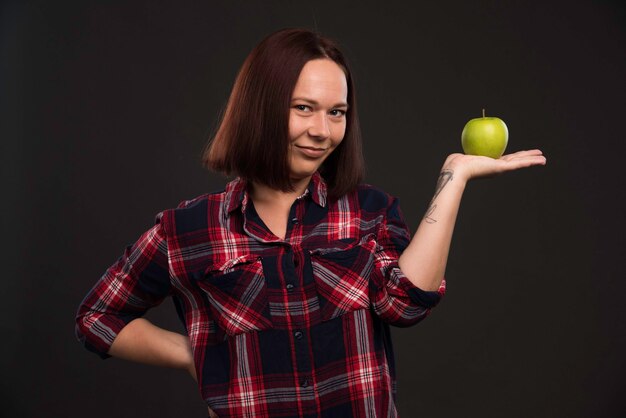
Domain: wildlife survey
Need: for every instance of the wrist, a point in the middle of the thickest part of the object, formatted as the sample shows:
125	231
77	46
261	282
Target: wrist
191	369
458	176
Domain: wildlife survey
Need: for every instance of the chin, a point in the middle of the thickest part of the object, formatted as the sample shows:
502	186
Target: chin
303	170
303	173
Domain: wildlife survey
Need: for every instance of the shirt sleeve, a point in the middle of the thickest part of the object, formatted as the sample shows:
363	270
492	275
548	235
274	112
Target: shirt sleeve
395	299
137	281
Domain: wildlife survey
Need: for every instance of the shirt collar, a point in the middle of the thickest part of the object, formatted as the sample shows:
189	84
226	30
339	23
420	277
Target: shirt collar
237	195
318	189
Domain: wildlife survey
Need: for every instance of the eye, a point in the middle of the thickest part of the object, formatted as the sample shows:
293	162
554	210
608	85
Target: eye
303	108
337	112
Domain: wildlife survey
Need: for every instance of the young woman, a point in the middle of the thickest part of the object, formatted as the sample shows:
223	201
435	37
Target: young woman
288	280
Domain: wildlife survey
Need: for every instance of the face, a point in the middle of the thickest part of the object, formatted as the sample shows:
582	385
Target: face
317	116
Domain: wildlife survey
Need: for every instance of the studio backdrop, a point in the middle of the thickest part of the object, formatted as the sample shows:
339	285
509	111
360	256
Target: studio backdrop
107	106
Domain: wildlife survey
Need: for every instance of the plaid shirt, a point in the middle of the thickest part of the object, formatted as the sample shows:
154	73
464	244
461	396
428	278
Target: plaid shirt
293	327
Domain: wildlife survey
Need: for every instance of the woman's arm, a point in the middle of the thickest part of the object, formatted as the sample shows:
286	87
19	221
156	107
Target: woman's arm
424	260
144	342
109	320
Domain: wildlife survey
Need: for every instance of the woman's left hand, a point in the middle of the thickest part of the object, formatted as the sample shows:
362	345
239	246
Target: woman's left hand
470	167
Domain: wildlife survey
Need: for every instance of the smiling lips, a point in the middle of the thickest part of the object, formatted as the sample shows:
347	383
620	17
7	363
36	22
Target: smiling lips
312	152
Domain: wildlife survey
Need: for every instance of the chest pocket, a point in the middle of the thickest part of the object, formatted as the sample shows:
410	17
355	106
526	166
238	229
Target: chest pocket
342	277
237	295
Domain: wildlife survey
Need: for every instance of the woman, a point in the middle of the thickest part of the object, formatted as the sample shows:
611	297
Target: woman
286	281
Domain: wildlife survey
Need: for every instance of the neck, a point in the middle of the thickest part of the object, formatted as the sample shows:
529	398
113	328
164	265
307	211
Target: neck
260	192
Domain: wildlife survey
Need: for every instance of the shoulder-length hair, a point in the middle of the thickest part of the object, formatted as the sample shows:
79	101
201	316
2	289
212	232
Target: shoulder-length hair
252	140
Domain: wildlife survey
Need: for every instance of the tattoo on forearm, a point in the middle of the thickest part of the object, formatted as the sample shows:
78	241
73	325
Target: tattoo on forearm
444	178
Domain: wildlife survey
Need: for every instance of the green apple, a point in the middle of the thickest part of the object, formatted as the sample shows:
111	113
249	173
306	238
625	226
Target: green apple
486	136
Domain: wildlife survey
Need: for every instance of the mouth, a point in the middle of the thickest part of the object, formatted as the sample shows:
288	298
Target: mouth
313	152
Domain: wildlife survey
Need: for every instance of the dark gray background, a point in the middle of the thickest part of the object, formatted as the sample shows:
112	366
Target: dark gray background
106	107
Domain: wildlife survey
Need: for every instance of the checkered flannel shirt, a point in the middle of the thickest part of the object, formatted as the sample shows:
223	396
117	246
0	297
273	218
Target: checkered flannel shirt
281	328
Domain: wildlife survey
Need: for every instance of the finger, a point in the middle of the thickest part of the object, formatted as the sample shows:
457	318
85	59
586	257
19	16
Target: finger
527	161
524	153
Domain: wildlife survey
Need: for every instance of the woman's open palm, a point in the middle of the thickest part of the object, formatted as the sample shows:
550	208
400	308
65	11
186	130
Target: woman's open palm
475	166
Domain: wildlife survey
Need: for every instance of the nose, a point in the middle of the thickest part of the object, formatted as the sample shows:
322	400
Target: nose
319	127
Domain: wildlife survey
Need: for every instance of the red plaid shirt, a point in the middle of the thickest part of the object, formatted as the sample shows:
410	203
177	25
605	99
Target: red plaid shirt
282	328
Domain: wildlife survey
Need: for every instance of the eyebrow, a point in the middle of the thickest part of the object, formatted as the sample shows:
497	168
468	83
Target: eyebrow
315	103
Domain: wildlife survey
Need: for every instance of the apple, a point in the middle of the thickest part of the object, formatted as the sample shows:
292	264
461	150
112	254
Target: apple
486	136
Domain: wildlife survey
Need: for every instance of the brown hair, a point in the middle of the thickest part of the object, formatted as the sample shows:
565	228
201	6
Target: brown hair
252	140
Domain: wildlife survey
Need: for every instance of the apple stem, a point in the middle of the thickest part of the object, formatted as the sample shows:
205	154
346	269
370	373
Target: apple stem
483	113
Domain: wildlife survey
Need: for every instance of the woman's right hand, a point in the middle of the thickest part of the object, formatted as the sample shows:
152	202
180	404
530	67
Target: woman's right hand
143	342
191	369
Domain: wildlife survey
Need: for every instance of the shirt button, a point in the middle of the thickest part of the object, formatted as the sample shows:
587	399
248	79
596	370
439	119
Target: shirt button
294	220
298	335
305	383
289	287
